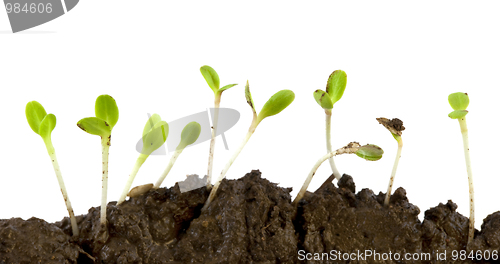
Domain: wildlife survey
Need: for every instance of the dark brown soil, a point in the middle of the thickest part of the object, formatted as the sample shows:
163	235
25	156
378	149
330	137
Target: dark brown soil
252	220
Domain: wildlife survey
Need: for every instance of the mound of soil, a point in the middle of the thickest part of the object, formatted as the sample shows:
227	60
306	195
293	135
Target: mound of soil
253	220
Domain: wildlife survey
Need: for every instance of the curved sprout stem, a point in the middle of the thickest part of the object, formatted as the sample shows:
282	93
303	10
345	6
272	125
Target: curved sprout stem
212	142
465	137
328	122
394	169
348	149
104	193
169	167
229	163
55	164
140	160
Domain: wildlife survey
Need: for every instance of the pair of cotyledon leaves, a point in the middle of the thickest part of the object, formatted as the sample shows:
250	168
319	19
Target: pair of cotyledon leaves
155	134
273	106
213	80
39	121
459	102
155	131
106	117
335	87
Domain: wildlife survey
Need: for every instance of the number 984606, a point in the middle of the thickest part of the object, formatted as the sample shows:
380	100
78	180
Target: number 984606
474	255
31	8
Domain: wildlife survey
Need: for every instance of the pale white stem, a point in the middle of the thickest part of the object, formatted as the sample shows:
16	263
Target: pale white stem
393	174
212	142
140	160
328	120
303	190
465	137
55	164
104	191
169	167
229	163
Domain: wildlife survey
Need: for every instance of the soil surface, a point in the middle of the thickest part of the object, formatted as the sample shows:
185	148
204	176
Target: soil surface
253	220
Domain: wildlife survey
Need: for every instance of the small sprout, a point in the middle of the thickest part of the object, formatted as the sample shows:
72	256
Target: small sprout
277	103
43	124
189	135
140	190
106	117
155	133
459	103
212	79
334	90
368	152
395	126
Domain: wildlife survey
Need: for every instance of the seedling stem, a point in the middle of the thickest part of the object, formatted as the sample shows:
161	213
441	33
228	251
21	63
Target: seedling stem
104	192
55	164
394	169
368	152
138	163
277	103
328	118
189	135
459	102
43	124
212	79
465	138
212	142
228	165
169	167
154	135
395	126
335	88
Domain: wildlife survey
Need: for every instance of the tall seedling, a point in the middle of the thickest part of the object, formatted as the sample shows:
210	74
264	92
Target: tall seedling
334	90
106	117
459	103
213	81
43	124
277	103
153	136
395	126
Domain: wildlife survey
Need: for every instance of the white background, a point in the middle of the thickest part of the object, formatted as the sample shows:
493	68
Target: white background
402	60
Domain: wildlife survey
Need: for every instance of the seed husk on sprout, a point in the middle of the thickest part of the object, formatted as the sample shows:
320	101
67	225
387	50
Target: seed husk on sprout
277	103
459	102
43	124
368	152
395	126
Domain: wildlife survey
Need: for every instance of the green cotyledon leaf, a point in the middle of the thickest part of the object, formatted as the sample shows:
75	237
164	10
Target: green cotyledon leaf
323	99
336	84
106	109
277	103
211	77
95	126
189	134
35	114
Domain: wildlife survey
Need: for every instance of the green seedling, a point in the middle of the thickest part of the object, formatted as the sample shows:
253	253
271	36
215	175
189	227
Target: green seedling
155	133
395	126
213	81
326	99
459	103
189	135
106	117
43	124
277	103
368	152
